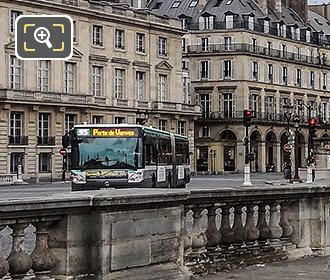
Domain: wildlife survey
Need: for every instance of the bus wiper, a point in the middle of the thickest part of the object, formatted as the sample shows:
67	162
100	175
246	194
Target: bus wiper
121	164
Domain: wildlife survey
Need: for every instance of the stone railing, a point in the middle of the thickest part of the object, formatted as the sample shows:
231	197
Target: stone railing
6	179
153	233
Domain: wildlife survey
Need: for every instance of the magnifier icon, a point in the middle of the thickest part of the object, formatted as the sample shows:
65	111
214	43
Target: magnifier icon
42	35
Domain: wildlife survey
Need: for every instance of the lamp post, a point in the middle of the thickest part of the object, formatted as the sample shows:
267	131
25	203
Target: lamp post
287	114
213	154
296	178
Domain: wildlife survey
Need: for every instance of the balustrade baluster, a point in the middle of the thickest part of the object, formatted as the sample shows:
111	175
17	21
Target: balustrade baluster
19	261
4	265
228	235
199	239
212	234
42	257
187	239
286	227
275	229
238	229
264	230
252	232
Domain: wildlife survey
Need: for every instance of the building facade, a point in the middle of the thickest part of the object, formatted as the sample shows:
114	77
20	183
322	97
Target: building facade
260	55
125	68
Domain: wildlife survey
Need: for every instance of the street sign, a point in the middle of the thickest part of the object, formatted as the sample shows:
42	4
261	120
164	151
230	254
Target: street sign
287	148
63	152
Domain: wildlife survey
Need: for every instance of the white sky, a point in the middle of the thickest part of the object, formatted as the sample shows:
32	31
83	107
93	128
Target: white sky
318	1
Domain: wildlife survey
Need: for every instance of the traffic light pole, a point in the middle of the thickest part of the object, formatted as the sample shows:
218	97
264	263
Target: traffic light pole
247	180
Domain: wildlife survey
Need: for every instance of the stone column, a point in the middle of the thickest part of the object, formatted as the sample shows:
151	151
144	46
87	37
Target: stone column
187	239
252	232
199	239
264	230
275	229
278	157
284	223
42	257
238	229
212	234
228	235
19	261
4	265
263	156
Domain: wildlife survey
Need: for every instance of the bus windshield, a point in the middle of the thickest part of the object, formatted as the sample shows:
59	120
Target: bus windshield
110	153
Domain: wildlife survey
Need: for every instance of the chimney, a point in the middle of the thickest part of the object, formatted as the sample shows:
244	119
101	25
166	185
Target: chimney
300	7
276	5
263	4
325	10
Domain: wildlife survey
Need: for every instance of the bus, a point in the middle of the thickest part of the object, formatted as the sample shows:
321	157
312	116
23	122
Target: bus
124	155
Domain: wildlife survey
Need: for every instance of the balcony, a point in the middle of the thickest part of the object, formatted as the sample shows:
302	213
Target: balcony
46	141
174	107
260	118
264	51
18	140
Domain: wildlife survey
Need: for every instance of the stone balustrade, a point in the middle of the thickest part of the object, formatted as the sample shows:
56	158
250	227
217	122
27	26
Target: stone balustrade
156	234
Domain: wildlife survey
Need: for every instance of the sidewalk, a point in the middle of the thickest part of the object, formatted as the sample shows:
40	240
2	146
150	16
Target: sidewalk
311	268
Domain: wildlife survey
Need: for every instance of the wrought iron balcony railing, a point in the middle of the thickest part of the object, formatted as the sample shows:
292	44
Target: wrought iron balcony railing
248	48
47	141
18	140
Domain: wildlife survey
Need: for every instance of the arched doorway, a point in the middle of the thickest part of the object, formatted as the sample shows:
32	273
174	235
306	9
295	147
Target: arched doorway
229	141
255	149
271	151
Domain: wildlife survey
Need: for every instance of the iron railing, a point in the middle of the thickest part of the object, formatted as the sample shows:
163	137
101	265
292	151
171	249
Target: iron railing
18	140
47	141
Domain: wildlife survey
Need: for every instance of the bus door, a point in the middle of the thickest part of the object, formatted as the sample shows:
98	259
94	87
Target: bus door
174	176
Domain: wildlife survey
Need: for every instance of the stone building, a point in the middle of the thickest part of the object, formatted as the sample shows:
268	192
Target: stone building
260	55
126	67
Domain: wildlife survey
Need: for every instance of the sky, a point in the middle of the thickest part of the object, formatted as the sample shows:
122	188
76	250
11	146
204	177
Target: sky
318	1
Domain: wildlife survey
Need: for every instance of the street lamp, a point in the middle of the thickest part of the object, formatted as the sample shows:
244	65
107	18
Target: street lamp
213	154
287	114
296	121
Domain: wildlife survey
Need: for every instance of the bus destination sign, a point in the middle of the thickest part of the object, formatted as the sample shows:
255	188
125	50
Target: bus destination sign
107	132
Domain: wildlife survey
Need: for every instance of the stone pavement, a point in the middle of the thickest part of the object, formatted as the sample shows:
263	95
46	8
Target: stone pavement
311	268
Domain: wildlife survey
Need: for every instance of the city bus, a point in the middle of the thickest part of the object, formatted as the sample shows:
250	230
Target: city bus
124	155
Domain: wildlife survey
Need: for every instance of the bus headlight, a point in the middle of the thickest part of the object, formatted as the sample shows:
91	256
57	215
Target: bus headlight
76	179
135	177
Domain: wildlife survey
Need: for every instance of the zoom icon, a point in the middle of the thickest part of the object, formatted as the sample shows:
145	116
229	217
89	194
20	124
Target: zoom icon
44	37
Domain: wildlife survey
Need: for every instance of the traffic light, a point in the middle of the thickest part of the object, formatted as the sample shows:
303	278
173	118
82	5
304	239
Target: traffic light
248	116
312	127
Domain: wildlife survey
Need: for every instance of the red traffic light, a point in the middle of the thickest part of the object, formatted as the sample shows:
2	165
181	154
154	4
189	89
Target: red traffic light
312	122
248	113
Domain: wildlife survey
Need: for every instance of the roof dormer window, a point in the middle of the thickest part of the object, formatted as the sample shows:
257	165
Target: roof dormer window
229	21
251	22
193	3
206	22
266	26
176	4
229	2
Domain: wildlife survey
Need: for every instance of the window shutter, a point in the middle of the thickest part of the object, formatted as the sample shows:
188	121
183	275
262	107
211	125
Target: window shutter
232	70
321	81
259	103
209	76
220	102
251	72
222	69
234	104
274	74
198	70
266	73
295	76
201	23
210	98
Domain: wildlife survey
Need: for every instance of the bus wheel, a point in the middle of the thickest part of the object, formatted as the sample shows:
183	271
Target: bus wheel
169	182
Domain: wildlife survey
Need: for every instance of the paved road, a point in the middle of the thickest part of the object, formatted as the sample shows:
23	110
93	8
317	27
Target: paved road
313	268
211	181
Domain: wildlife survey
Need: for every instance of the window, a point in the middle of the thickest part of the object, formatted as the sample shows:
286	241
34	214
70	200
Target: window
227	69
270	73
182	127
255	74
266	26
119	120
162	46
229	21
269	47
206	22
183	23
205	103
70	121
204	70
227	41
74	31
44	162
43	75
140	42
205	44
70	77
186	91
284	50
284	75
298	107
44	125
298	78
119	83
205	131
313	105
251	22
119	39
157	5
140	85
312	79
97	35
228	105
15	160
162	124
308	36
97	80
16	122
193	3
324	111
324	81
185	64
162	88
270	107
184	45
176	4
254	45
15	73
97	119
255	102
13	16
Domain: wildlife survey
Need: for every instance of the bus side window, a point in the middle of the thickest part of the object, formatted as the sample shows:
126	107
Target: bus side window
179	153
